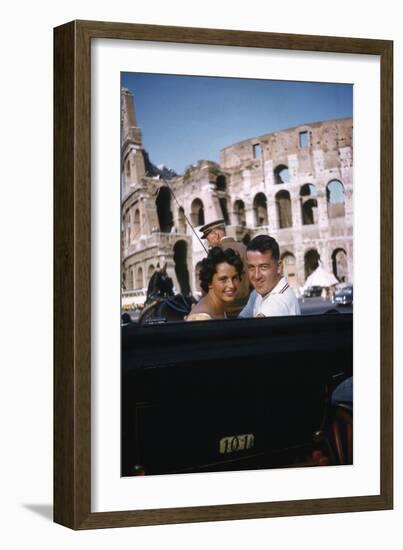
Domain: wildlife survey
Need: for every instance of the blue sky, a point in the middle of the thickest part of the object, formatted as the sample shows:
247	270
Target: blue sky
188	118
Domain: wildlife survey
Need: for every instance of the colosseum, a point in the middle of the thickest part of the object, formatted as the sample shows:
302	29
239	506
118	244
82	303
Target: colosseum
295	184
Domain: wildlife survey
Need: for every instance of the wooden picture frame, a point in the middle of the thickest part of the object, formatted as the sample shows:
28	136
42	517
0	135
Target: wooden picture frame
72	273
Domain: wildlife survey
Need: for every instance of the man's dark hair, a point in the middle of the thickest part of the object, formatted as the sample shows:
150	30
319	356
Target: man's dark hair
218	256
264	243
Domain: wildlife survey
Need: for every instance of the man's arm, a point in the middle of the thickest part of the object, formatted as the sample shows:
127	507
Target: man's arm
248	309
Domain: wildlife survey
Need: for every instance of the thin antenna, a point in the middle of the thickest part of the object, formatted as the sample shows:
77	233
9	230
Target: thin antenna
186	218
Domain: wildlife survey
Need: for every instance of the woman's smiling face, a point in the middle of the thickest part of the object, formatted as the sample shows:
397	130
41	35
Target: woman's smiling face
225	282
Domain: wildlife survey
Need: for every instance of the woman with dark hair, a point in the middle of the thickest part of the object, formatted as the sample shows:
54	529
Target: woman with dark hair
220	276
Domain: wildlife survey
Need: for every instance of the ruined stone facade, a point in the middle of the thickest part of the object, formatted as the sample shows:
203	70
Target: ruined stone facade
295	184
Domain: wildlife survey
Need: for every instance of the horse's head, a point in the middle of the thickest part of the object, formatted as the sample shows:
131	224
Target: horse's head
160	285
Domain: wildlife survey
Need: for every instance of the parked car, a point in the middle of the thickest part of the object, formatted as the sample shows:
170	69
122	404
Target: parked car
231	395
343	295
312	291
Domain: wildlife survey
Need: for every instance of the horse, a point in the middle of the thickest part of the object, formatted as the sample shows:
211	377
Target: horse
161	304
159	286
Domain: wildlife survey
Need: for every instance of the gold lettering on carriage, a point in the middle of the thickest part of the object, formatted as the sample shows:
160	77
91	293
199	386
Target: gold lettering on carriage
234	443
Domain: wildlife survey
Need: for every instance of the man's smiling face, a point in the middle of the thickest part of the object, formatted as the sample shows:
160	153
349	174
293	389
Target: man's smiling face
264	271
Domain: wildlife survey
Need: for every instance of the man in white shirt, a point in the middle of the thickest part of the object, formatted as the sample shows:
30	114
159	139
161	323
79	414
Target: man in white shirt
274	295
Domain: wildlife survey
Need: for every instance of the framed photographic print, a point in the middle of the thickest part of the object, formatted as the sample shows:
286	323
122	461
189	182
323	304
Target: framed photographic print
223	273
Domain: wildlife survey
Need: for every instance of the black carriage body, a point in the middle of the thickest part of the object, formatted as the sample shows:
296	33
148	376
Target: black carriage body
228	395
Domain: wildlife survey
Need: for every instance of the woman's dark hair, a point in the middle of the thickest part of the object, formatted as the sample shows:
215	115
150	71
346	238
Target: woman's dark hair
218	256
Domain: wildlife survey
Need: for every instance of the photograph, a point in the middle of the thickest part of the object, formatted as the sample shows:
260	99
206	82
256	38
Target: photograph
236	209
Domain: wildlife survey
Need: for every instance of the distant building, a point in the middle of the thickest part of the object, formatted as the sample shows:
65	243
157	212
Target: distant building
295	184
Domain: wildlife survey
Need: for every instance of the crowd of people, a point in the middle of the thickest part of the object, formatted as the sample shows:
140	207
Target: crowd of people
239	281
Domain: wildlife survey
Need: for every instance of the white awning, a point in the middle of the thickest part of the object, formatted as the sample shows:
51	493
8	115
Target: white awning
320	277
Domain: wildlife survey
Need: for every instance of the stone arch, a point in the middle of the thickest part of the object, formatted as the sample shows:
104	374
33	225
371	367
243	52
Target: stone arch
290	267
127	228
309	204
181	267
239	212
335	199
197	212
163	203
221	183
281	174
181	220
136	224
129	278
150	271
283	204
221	188
224	210
340	264
139	278
311	261
260	208
308	190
